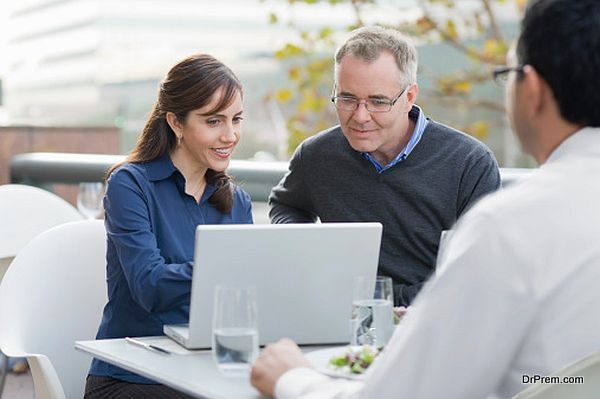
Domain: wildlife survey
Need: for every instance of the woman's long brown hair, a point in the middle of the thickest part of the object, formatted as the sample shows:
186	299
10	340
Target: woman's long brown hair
189	85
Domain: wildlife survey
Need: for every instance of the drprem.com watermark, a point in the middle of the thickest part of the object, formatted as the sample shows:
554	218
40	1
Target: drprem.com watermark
541	379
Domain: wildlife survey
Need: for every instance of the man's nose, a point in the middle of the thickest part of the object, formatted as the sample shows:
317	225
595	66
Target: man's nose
361	114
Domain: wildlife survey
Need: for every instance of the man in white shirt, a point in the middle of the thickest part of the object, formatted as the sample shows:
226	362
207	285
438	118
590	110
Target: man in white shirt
516	294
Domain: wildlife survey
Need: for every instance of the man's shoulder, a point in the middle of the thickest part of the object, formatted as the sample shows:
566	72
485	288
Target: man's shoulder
529	197
444	135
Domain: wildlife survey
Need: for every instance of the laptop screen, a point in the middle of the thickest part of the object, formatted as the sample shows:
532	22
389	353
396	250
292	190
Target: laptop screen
303	274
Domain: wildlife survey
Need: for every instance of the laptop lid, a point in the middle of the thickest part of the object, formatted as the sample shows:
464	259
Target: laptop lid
303	274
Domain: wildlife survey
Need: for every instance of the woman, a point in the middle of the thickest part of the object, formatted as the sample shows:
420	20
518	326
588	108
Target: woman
173	180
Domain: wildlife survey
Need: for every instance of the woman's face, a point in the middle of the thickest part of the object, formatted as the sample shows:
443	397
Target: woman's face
208	140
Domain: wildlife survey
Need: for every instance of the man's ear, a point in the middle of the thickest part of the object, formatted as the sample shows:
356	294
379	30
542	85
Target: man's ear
534	91
411	95
174	123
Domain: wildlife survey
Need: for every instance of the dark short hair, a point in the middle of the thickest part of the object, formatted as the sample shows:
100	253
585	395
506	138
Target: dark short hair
561	40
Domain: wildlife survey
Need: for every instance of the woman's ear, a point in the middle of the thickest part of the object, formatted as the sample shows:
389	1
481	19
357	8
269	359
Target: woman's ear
174	123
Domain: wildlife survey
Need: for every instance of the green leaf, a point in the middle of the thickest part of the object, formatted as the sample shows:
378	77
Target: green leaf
294	74
289	50
284	95
325	32
479	129
463	87
451	30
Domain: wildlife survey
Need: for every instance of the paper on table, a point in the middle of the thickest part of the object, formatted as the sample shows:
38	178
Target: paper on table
168	344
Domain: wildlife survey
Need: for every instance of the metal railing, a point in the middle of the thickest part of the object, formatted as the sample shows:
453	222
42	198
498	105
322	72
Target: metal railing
257	178
42	168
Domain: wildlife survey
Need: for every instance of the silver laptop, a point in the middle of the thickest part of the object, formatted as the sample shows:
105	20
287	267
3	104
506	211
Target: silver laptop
303	275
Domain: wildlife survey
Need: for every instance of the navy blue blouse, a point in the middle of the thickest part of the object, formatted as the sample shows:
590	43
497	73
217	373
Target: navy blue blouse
150	223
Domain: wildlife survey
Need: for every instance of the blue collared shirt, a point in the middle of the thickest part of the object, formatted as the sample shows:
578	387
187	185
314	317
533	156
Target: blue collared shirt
150	223
417	115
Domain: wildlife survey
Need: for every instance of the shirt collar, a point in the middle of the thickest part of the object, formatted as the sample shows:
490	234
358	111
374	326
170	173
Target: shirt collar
417	115
160	168
583	142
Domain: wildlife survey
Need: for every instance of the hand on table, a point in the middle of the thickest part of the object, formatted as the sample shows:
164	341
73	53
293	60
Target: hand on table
273	362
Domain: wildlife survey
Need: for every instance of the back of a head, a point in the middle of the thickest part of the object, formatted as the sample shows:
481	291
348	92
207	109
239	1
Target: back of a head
561	40
368	43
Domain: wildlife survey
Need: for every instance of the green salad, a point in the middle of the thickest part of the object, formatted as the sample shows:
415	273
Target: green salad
355	361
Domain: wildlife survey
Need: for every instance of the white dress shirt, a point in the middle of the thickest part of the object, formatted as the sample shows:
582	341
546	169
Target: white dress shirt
517	293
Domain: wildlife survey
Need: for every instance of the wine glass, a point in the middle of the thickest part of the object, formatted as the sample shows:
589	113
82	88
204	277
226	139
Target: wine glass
89	199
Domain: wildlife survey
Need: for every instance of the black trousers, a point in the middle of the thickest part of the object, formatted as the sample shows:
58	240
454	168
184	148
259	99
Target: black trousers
100	387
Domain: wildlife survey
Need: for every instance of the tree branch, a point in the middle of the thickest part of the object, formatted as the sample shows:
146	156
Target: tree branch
435	95
454	42
496	32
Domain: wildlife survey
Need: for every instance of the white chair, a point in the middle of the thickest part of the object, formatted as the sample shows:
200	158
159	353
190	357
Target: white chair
59	277
25	212
587	367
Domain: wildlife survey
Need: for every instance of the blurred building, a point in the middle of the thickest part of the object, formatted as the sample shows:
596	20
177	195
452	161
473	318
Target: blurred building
89	62
99	62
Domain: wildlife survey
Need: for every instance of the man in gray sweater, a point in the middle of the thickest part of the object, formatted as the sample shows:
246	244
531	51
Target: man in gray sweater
386	162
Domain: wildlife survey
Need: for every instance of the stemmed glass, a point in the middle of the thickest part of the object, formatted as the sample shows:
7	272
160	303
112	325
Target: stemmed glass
89	199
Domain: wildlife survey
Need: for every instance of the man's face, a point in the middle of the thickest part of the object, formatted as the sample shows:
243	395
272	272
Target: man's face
382	134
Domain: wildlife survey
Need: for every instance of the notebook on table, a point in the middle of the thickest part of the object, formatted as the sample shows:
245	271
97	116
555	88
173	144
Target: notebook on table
303	274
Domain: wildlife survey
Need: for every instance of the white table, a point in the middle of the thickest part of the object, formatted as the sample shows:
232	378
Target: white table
192	372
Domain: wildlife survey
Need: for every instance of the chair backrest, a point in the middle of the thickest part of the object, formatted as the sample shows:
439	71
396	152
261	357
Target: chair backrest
25	212
587	367
60	280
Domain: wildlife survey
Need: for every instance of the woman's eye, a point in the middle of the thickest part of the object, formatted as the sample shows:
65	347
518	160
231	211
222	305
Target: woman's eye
213	122
238	119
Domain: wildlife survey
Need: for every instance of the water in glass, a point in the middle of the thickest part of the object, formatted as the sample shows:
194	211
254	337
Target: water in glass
372	322
372	319
235	328
235	349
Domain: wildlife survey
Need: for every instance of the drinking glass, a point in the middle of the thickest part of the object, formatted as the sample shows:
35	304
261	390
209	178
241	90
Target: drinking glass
372	319
235	328
89	199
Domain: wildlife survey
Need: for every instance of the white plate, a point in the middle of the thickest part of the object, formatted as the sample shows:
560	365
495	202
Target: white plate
320	360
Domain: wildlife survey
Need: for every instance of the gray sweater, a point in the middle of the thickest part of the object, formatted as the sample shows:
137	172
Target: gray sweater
414	200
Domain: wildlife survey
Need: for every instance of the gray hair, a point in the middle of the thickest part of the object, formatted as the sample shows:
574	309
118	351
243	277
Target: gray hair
367	43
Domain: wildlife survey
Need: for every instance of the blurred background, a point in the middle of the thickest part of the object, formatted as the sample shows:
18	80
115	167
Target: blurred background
82	75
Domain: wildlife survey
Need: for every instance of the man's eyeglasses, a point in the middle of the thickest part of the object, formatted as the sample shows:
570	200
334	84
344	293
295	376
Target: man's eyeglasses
347	103
501	73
